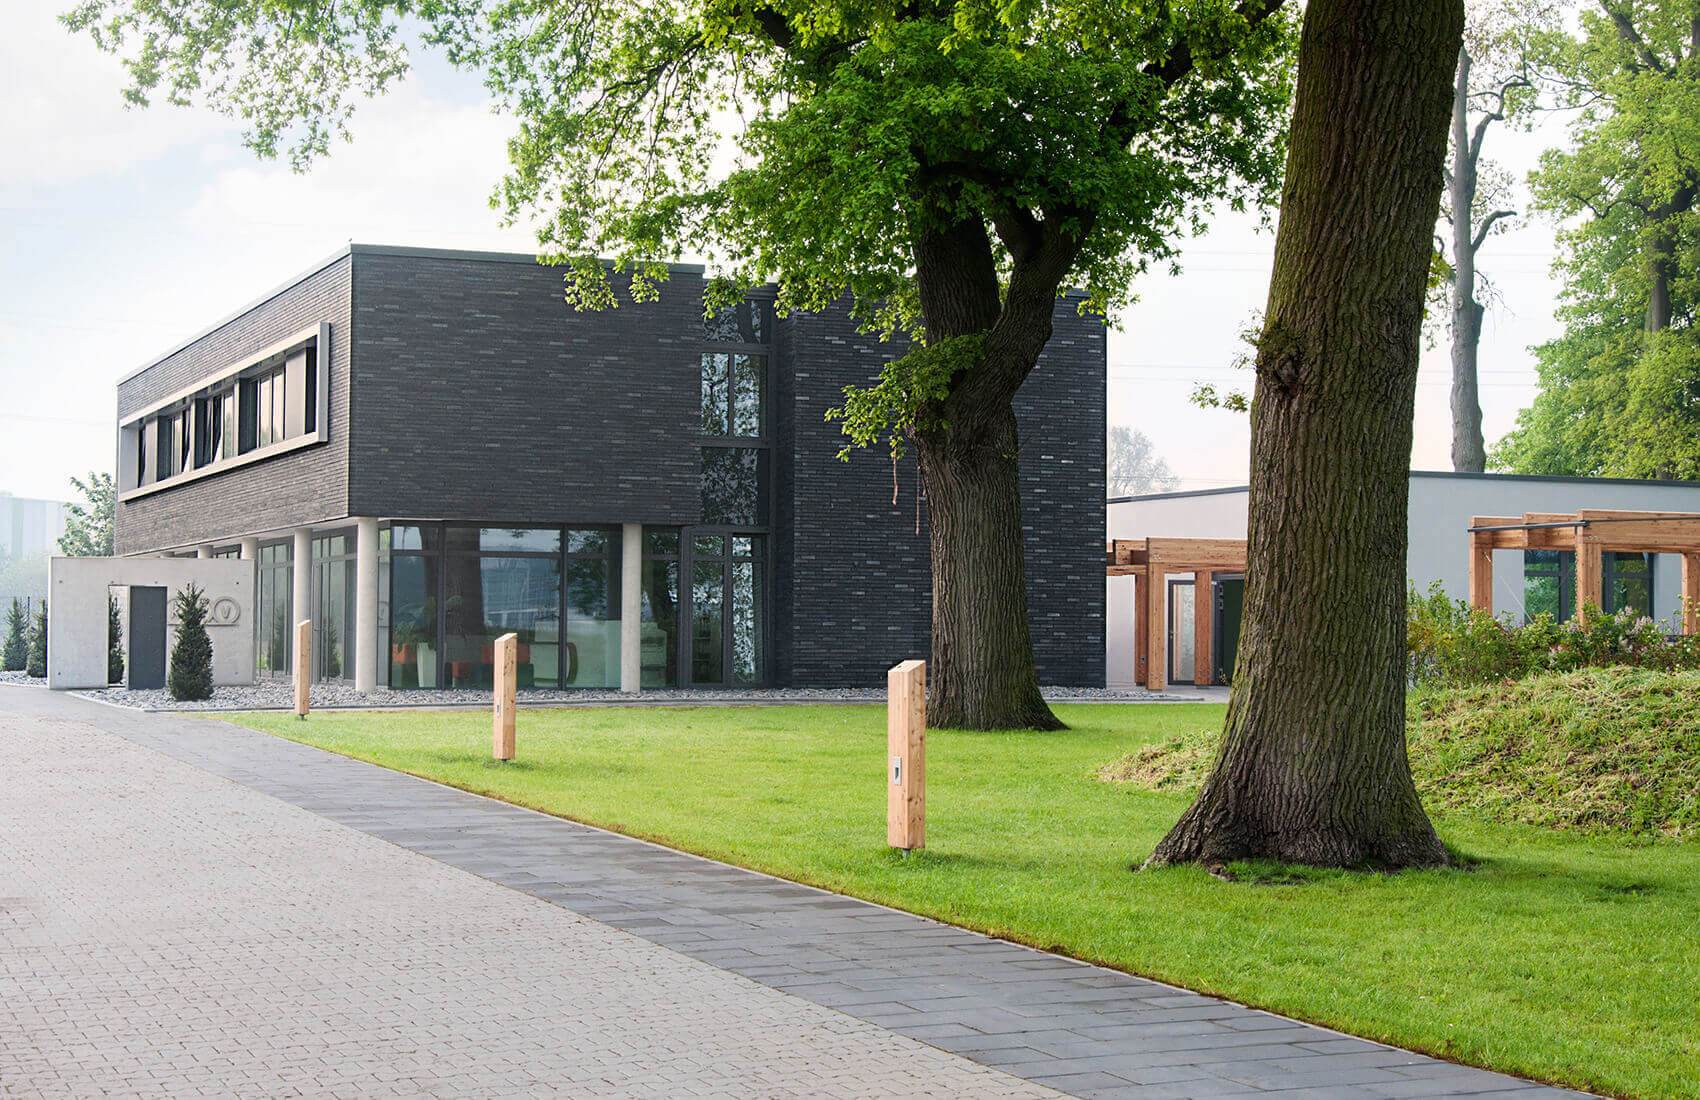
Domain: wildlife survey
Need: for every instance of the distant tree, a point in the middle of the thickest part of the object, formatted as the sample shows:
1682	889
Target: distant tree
36	662
1495	82
1135	466
191	675
89	528
1620	388
15	655
114	643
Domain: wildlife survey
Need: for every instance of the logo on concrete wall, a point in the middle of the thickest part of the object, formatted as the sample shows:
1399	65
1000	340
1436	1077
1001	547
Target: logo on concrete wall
224	612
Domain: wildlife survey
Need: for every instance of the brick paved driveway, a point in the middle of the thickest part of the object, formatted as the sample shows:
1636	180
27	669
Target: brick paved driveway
164	931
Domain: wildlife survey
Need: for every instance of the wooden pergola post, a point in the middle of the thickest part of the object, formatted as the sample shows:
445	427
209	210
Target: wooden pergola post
1481	571
1141	624
1590	573
1203	629
1156	637
1691	593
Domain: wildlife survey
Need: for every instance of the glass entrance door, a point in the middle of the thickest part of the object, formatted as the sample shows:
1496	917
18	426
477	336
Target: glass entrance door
1182	631
333	608
728	610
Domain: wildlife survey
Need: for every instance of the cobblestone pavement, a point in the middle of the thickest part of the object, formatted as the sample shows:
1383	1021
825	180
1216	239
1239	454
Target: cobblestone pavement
167	932
1065	1025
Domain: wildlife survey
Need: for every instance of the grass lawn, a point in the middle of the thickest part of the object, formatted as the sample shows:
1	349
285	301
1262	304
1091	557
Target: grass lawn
1569	958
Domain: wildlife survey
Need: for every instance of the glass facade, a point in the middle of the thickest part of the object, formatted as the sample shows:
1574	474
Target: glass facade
333	607
658	631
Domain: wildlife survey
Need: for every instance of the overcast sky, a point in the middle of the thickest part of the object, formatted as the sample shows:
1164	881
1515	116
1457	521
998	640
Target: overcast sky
129	230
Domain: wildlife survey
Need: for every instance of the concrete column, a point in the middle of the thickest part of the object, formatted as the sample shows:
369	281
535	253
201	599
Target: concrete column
250	549
631	606
366	604
301	592
203	551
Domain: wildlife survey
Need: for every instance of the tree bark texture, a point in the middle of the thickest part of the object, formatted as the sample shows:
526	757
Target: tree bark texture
982	674
1469	450
1312	767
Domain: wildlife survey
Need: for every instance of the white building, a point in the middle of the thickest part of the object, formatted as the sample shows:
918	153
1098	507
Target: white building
30	526
1441	507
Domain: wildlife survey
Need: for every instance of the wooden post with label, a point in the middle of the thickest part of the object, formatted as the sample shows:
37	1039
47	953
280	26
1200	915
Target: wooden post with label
906	749
506	669
303	665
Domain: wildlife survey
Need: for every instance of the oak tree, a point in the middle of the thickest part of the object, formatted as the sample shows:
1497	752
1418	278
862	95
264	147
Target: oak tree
1312	766
949	166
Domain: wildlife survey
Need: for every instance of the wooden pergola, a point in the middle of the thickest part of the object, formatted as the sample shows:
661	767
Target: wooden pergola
1152	560
1590	533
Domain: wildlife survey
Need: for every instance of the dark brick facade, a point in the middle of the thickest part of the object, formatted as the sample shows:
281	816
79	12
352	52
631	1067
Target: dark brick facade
480	394
292	490
853	589
463	388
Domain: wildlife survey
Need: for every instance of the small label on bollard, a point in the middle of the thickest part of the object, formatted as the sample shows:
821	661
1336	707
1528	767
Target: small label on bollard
897	771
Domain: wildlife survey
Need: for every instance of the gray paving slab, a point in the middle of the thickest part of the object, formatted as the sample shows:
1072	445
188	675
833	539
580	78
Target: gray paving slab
1053	1021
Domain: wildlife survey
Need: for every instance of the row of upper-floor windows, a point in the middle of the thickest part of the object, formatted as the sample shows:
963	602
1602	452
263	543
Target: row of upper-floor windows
233	417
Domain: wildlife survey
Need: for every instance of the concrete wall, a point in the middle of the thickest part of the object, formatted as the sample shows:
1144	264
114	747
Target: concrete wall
479	394
291	490
77	620
853	593
1441	507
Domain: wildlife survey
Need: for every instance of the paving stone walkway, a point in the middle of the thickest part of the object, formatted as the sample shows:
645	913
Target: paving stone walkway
1053	1022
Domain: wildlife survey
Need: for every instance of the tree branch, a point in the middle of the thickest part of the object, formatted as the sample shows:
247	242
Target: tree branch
1487	224
1120	120
1632	37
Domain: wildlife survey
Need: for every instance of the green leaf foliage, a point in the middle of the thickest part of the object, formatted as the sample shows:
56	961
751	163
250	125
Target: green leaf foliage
190	675
1620	389
89	526
15	654
35	661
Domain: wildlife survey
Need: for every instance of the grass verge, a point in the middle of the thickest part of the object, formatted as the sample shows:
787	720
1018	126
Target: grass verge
1570	958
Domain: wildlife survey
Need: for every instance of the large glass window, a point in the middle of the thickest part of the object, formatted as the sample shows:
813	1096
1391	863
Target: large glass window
734	388
1549	583
728	609
486	595
748	322
272	609
659	626
735	486
414	641
334	636
592	598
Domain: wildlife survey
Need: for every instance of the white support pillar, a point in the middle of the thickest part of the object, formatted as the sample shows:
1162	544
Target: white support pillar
631	607
301	592
203	551
366	604
250	549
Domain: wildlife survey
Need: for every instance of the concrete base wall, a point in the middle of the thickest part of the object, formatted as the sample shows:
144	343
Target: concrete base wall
76	613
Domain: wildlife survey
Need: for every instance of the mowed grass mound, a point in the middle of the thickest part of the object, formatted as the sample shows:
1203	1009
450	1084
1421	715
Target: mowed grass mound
1604	750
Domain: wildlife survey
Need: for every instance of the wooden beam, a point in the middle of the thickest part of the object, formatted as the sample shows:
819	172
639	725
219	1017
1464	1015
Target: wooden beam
505	660
1481	571
906	745
1590	573
1690	594
1203	623
1156	637
1187	555
1141	623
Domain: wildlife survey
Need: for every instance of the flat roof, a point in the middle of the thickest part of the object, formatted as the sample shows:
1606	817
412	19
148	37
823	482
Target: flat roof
354	249
1555	479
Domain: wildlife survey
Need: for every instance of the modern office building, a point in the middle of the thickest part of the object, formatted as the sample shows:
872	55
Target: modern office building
1442	506
422	450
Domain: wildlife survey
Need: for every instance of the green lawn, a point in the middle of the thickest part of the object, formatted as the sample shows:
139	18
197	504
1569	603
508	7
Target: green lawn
1572	959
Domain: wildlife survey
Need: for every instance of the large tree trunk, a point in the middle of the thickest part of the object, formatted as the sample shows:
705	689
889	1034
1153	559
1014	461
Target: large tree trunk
982	674
1312	767
1469	450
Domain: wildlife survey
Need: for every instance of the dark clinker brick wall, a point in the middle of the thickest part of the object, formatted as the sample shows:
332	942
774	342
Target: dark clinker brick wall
480	394
853	593
302	487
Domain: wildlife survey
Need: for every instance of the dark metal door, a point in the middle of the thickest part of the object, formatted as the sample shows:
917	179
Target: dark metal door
1230	602
147	638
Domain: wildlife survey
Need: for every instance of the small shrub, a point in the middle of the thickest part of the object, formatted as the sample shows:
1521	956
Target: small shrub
1449	642
36	662
191	676
114	643
16	652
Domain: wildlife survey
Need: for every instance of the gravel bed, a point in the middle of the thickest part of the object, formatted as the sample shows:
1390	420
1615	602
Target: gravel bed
279	695
22	678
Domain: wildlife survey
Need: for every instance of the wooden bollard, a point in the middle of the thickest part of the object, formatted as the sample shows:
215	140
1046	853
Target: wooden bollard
906	746
506	670
303	665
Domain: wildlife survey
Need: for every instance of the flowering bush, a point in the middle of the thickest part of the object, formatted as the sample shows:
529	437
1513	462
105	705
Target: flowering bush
1450	642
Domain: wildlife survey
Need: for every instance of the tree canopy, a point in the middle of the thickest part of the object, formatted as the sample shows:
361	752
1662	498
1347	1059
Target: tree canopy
1620	389
89	531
